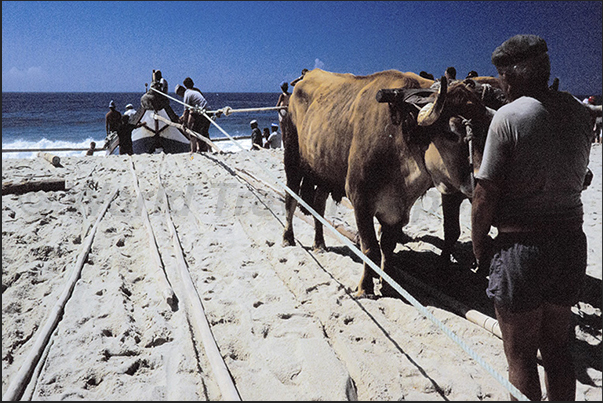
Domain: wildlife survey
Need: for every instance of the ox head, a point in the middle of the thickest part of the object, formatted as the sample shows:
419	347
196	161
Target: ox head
454	121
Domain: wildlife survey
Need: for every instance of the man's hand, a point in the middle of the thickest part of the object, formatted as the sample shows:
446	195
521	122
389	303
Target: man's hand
483	251
485	200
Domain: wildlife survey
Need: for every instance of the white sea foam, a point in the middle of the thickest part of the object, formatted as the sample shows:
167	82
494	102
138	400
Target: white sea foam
45	144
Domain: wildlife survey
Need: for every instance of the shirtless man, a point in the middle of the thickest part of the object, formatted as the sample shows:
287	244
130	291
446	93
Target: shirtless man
283	100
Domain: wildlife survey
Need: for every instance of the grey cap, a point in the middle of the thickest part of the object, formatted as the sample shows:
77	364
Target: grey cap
517	49
111	104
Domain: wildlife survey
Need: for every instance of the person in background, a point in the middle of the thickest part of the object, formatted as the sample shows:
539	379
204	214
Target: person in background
595	117
179	90
256	136
163	84
194	121
92	148
125	136
265	134
112	119
274	139
528	186
303	73
450	74
129	110
283	100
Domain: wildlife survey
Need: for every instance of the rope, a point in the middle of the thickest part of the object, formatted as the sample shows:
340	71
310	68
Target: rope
196	312
18	384
504	382
227	110
189	131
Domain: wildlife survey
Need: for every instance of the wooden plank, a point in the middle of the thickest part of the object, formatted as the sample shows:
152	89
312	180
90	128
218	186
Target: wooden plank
34	185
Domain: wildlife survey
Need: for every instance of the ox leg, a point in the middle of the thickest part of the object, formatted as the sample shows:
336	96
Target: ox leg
290	205
370	247
451	208
388	242
320	203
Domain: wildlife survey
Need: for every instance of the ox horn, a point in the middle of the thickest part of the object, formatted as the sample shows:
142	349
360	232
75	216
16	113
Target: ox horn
431	112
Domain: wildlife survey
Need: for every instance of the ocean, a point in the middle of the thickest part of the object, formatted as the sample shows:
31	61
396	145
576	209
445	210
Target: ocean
74	119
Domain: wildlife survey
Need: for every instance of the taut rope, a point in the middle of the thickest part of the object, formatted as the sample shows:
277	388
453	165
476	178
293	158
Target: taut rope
227	110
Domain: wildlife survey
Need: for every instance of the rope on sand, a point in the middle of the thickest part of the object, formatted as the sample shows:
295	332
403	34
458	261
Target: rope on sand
484	321
194	308
20	381
405	294
160	275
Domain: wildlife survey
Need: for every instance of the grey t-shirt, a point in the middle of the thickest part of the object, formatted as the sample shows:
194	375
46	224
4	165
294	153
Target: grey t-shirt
538	152
194	98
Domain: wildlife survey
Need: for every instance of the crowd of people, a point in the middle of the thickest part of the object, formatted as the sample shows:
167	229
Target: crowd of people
270	138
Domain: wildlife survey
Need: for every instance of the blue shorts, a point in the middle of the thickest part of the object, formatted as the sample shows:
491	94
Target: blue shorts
528	269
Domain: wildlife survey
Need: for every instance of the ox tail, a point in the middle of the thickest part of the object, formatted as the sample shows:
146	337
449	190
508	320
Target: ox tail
296	180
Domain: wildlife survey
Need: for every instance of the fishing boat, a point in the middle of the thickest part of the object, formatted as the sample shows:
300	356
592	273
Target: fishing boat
152	135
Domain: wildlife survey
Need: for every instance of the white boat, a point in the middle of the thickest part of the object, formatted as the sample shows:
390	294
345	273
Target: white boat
156	135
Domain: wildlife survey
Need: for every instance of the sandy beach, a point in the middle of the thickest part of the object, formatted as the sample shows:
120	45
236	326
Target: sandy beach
283	318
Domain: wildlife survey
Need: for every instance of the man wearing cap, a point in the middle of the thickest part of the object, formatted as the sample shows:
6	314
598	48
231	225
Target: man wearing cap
130	110
528	186
256	136
274	139
112	119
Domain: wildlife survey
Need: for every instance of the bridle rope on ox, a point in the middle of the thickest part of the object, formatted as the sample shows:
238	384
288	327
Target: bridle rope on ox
469	140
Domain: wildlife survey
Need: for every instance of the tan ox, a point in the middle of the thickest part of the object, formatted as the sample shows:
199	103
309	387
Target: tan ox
339	140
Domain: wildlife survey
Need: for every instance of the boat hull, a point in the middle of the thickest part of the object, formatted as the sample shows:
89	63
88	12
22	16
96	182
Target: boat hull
155	135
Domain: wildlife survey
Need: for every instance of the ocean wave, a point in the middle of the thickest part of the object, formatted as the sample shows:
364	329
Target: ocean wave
75	148
79	148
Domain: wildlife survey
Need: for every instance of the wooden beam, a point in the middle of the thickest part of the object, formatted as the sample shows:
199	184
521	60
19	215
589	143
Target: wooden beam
33	185
53	159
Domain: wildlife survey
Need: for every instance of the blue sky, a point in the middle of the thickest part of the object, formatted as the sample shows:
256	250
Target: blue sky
253	46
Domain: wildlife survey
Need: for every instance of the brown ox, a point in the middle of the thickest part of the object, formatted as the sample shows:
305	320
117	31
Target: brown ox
383	156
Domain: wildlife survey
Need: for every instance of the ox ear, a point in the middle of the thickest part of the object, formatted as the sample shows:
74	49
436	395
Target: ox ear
432	111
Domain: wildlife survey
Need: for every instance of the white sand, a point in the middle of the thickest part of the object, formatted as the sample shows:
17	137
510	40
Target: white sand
284	318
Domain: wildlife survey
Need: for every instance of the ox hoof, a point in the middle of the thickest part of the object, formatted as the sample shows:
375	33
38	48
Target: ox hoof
320	248
362	293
